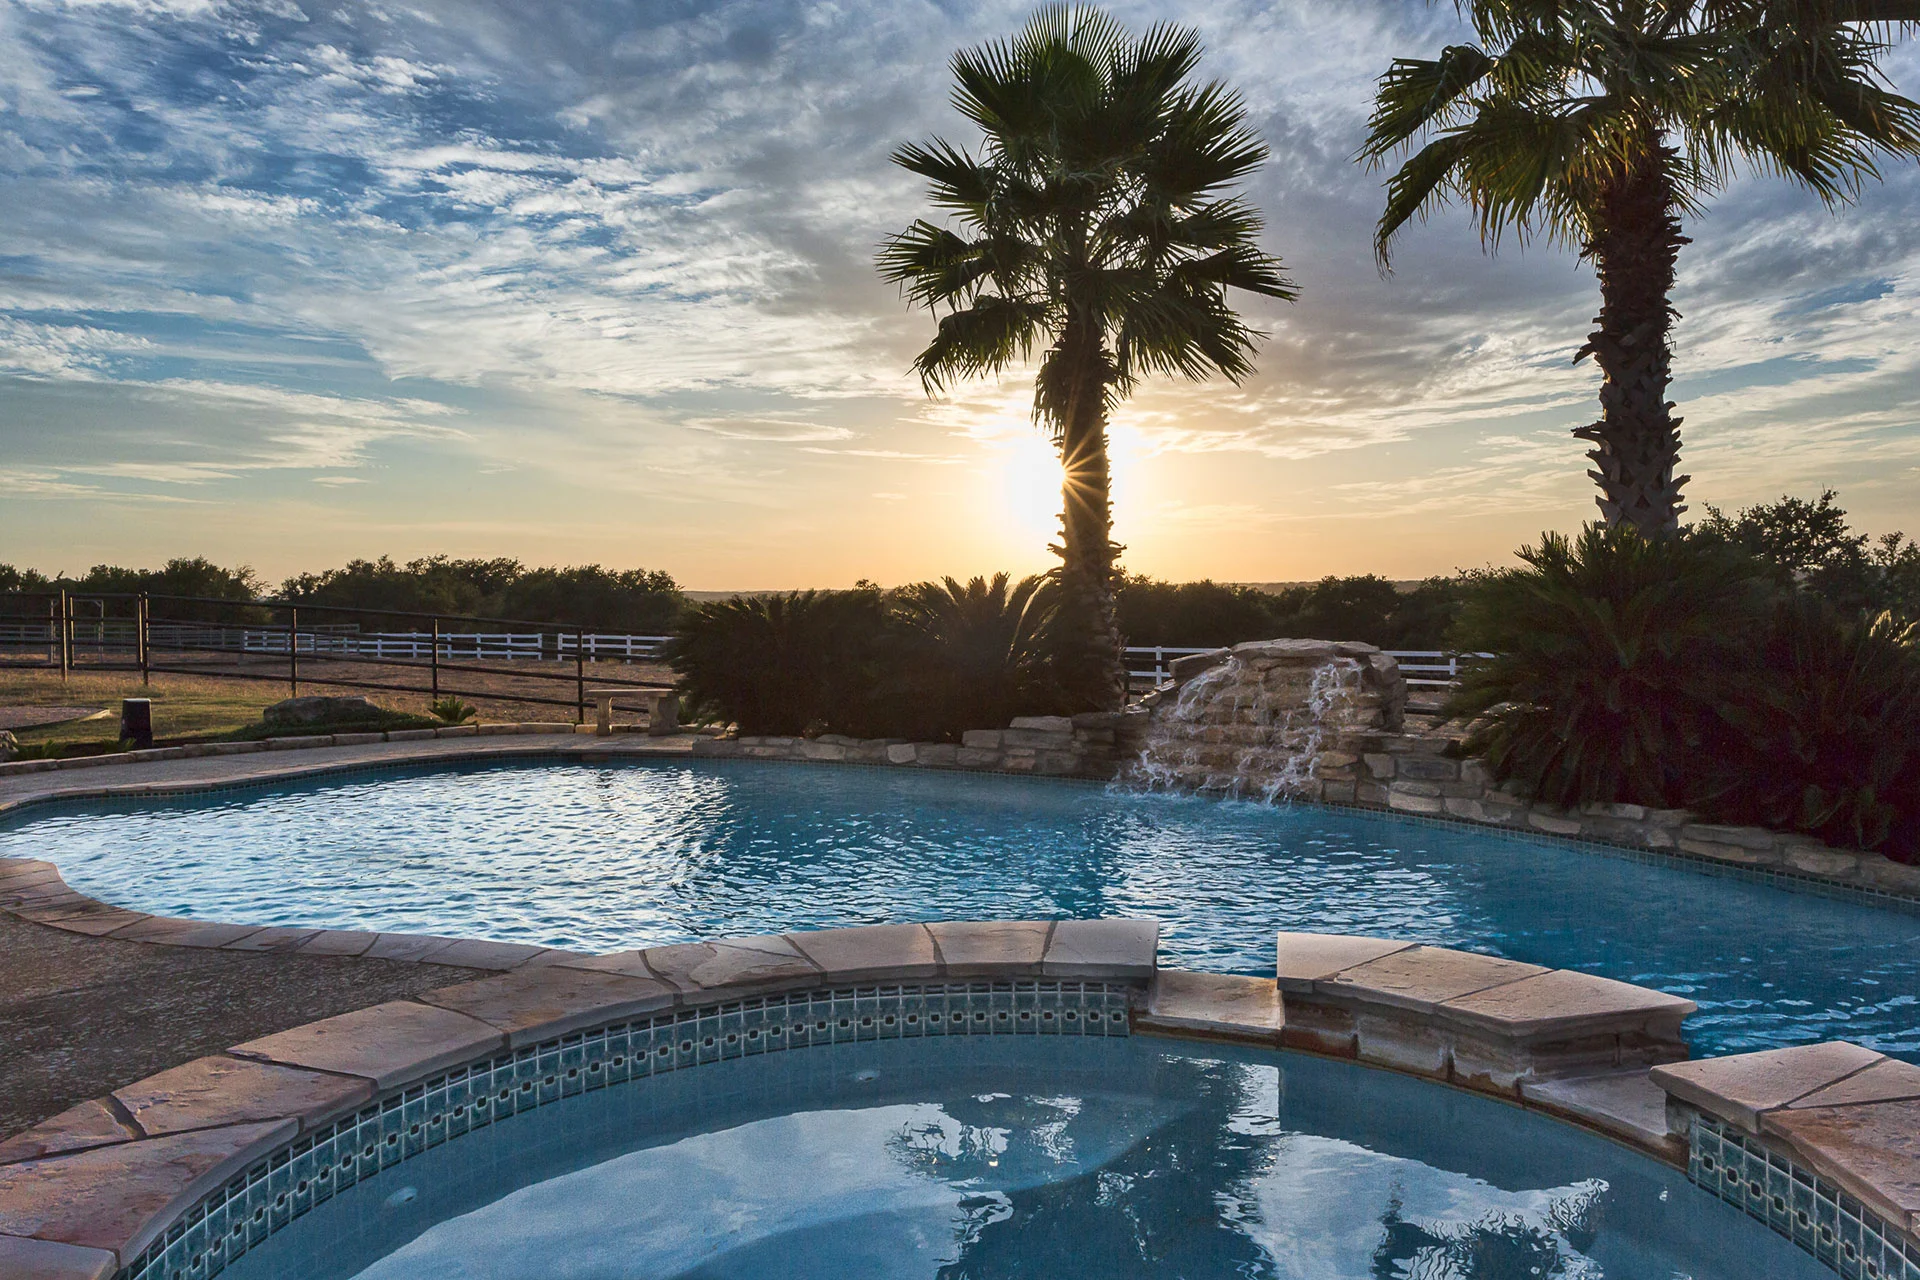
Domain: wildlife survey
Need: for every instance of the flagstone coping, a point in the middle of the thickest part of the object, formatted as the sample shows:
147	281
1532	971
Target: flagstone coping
1480	1021
25	1259
104	1178
1845	1112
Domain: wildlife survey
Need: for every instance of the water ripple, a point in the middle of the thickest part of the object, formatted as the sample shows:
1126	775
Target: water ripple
604	857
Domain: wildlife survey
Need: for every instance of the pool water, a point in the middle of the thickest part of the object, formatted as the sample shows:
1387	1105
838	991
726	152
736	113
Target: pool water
1051	1158
603	857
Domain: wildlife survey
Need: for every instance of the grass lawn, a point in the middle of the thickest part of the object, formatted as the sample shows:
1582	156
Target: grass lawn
187	706
183	706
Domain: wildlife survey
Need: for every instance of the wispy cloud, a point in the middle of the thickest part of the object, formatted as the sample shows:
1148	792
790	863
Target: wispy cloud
378	250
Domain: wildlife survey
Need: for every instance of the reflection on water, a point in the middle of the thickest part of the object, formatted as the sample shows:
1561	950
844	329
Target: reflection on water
600	858
1030	1158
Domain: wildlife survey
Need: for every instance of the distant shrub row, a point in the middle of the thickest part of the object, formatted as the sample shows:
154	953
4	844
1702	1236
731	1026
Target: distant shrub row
372	592
924	662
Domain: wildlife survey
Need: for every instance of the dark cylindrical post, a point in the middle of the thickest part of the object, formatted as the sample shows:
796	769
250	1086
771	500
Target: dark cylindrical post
66	635
293	650
580	675
436	660
141	615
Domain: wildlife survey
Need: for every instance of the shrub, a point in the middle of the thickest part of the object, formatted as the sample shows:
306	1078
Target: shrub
785	664
1365	607
1191	613
449	709
926	662
974	655
1615	653
1825	732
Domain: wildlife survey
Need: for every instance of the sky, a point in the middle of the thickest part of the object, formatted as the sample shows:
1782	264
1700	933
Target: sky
285	282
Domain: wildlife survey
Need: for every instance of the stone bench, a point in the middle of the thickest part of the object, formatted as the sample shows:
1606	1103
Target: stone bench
661	705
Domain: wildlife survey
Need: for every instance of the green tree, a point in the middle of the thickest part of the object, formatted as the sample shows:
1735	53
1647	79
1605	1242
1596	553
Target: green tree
1598	123
1095	224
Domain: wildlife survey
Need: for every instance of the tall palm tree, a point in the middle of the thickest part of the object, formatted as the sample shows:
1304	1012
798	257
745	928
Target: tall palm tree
1093	223
1598	123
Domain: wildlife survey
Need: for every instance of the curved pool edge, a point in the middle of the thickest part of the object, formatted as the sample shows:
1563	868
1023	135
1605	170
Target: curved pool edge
109	1187
1873	878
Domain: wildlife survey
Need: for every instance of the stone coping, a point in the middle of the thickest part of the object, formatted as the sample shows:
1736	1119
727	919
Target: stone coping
85	1192
1846	1113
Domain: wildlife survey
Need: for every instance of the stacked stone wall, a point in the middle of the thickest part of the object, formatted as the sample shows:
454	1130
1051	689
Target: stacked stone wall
1082	746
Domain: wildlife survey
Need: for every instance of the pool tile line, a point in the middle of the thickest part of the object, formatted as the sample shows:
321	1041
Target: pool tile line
1798	1203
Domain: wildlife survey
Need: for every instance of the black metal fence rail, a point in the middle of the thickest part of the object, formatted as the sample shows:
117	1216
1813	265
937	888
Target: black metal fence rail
163	634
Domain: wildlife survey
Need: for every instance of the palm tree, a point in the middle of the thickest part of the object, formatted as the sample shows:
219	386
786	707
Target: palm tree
1598	123
1094	224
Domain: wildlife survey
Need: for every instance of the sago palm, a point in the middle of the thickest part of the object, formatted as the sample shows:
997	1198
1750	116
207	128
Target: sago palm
1598	123
1094	225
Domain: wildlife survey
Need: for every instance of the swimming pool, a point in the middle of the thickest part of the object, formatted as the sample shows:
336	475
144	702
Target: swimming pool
602	857
985	1157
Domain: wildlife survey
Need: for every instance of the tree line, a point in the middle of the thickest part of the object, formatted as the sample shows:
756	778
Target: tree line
378	592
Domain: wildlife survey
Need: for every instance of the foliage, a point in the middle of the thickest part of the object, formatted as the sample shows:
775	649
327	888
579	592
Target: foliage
927	662
450	709
1809	545
180	577
1598	125
804	662
1825	733
590	596
1365	608
1192	613
639	601
1614	653
12	579
1096	226
975	655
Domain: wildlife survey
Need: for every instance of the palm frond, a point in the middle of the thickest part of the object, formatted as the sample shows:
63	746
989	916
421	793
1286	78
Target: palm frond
1416	93
984	337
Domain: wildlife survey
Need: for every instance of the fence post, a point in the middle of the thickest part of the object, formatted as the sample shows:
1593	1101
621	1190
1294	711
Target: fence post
293	649
436	659
141	638
580	675
66	635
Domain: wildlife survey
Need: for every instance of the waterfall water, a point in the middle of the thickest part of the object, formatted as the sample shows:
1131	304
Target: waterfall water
1254	726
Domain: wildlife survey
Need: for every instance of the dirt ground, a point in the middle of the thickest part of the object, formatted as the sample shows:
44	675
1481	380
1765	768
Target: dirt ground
81	1016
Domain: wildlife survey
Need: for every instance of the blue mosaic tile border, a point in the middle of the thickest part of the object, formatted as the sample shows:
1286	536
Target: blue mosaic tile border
389	1131
1810	1211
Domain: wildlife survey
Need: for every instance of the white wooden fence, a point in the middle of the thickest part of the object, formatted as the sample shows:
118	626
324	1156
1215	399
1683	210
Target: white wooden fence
1424	668
325	641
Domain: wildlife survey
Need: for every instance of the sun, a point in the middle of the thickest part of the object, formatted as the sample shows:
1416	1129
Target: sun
1025	479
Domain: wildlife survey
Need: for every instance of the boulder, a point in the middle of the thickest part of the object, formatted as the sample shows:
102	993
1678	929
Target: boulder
316	710
9	746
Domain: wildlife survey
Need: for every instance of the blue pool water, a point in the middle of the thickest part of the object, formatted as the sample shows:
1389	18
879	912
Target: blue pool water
1049	1158
604	857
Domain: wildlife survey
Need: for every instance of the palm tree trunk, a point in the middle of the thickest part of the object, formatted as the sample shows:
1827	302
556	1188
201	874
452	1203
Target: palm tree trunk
1637	440
1097	677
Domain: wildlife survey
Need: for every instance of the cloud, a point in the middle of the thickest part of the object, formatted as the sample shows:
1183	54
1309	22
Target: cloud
632	251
